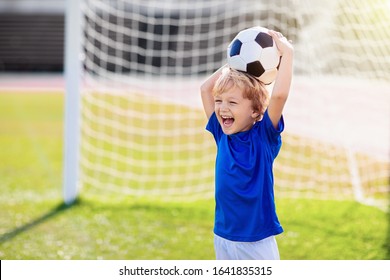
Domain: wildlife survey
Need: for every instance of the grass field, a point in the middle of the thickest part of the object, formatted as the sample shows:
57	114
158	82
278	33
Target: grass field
34	223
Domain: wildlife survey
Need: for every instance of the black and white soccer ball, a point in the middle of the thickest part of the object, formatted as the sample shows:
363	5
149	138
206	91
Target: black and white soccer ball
254	51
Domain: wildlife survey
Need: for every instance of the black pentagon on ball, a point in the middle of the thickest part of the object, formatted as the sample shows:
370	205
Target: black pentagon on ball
264	40
235	48
255	68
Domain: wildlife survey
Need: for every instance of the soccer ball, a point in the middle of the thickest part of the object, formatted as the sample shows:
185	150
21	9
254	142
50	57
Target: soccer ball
254	51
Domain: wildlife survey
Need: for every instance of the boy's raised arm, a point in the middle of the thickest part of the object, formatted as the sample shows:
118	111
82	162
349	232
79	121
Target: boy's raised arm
283	80
206	91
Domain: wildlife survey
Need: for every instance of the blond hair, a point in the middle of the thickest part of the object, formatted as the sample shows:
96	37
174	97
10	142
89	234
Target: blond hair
251	87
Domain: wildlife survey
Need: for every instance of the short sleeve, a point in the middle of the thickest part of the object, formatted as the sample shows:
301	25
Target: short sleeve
270	133
273	133
214	127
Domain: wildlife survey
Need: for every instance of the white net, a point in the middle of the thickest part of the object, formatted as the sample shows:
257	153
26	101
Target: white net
142	121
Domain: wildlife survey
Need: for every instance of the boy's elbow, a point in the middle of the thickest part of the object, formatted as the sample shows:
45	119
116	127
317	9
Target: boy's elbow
204	88
280	96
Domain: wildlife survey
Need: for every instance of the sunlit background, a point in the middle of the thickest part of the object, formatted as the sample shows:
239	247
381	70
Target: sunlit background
142	139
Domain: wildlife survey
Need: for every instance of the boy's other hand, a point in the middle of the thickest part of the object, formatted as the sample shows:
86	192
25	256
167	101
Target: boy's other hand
284	46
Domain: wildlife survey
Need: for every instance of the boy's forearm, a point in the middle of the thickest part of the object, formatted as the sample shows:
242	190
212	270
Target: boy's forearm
281	88
283	80
206	91
208	85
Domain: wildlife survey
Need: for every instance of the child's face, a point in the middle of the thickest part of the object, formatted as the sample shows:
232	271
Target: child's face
234	112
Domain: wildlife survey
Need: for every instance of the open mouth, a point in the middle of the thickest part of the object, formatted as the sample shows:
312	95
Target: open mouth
227	121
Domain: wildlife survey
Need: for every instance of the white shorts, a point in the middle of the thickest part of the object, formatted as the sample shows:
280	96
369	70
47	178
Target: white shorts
265	249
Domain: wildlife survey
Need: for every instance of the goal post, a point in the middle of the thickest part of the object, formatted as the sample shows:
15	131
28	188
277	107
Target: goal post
134	124
73	72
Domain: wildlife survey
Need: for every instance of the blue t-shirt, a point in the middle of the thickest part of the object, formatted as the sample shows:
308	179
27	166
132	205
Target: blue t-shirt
244	194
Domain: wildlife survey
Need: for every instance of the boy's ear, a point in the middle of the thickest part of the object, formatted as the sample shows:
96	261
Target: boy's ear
255	115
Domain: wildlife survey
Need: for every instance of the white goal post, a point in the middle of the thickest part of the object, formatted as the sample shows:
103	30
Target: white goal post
134	124
73	72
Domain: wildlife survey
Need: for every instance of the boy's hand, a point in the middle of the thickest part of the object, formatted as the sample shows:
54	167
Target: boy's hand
284	46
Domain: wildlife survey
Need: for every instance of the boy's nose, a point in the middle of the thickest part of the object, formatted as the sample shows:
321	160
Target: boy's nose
223	106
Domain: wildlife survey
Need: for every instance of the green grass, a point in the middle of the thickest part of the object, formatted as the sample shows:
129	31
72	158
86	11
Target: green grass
34	223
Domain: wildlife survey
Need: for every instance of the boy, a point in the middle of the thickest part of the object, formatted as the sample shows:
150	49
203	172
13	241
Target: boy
246	124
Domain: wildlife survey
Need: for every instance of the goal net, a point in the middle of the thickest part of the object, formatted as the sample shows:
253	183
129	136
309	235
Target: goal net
142	123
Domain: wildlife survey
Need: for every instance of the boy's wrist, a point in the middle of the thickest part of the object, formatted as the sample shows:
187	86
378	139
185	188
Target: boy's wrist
288	52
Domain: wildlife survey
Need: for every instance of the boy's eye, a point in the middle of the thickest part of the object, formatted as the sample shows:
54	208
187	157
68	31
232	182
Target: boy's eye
233	102
218	101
